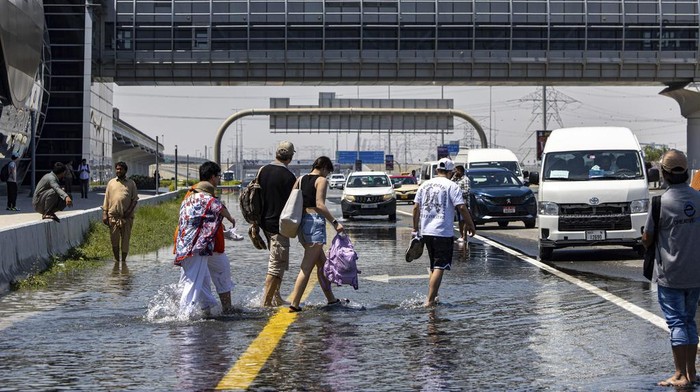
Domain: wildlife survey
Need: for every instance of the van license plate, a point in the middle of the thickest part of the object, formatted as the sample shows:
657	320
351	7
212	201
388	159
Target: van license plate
595	235
370	205
509	210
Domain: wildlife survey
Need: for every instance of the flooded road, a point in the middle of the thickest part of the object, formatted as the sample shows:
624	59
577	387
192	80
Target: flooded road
502	324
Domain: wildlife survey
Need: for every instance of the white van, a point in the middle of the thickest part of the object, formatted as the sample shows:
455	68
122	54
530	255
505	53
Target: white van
428	170
593	189
489	157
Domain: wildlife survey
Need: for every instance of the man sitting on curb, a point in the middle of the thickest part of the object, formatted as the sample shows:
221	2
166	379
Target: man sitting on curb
48	196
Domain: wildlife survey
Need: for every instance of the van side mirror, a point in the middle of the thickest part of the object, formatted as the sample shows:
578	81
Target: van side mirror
653	175
534	178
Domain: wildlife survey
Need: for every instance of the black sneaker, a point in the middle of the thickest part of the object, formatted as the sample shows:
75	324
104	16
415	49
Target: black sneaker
415	249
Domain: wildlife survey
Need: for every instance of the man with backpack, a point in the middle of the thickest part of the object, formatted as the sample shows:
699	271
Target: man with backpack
276	182
433	213
11	179
84	176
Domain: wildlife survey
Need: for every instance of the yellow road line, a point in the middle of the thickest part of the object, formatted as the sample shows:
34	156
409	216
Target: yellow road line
248	366
246	369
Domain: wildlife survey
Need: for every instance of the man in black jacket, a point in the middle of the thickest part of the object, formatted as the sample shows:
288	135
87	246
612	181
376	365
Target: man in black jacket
276	182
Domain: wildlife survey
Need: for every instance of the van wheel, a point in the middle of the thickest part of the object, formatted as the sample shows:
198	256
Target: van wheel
546	253
530	223
503	224
392	217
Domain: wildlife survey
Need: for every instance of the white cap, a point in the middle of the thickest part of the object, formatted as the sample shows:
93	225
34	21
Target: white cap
446	164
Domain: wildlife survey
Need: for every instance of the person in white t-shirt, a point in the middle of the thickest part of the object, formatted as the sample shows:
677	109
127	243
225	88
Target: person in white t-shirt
434	209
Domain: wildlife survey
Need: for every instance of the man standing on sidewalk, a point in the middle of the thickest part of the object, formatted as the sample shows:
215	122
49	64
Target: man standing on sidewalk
677	265
12	183
48	195
118	211
276	182
433	213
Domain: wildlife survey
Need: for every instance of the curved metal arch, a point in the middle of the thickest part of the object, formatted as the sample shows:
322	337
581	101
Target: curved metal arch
341	111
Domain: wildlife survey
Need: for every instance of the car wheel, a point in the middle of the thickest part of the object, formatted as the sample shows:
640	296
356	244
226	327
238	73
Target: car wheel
530	223
392	217
546	253
640	249
503	224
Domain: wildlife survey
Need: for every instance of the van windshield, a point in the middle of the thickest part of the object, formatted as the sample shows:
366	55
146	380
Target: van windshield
592	165
510	165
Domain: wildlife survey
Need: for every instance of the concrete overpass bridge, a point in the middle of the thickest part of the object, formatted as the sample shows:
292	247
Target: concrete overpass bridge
446	42
134	147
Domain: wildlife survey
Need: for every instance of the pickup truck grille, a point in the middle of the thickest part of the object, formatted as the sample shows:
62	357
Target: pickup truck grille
368	199
607	216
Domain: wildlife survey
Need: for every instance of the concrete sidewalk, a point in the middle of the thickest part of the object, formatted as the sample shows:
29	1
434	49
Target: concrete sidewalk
28	242
9	219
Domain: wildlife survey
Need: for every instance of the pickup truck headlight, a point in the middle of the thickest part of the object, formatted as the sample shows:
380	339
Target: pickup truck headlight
548	208
388	197
638	206
349	198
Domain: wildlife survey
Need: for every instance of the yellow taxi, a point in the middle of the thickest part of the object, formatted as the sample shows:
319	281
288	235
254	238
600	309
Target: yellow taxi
405	187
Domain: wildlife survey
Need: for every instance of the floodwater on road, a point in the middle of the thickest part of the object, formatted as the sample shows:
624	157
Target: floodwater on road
502	324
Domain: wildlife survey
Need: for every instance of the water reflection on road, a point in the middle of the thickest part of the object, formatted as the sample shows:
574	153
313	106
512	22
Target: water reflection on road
502	325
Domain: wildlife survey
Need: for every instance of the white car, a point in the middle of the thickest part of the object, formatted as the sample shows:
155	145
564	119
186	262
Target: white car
369	193
336	181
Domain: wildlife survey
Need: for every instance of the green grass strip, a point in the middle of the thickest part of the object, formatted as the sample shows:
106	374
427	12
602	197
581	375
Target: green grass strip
153	229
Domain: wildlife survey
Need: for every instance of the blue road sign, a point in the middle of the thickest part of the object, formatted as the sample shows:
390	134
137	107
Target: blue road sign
453	149
345	157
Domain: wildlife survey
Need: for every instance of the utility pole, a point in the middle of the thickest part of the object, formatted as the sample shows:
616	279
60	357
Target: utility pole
176	167
544	108
157	173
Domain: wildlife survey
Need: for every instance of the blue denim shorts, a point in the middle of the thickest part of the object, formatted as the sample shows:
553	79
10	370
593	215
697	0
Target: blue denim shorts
312	229
679	307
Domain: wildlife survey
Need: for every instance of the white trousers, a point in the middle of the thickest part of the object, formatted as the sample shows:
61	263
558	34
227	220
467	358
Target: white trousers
197	298
220	271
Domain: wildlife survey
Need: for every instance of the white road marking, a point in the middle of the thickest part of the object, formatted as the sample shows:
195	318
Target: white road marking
626	305
387	278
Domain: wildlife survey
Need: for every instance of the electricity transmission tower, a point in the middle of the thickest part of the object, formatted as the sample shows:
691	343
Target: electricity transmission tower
547	105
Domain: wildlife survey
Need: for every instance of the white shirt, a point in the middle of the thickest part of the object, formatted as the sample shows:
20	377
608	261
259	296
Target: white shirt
437	199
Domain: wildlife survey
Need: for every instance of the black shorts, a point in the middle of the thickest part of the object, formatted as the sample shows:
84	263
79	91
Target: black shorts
440	251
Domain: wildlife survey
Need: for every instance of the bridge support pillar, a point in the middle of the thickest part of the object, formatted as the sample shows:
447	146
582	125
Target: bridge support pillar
689	102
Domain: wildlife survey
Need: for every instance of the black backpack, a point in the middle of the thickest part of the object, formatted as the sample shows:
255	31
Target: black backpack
251	201
5	172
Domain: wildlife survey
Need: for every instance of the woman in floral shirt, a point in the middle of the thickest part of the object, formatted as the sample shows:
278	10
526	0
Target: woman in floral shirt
201	214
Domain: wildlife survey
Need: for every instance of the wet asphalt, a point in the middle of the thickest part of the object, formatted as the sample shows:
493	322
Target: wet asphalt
503	324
